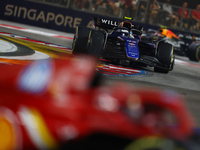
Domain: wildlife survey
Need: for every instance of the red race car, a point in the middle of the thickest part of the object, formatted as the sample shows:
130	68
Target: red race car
60	104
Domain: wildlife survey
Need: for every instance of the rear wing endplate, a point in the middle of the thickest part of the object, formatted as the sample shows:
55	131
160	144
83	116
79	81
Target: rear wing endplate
105	23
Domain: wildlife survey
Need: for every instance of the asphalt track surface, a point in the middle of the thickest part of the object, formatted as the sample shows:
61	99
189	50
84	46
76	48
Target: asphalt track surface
184	79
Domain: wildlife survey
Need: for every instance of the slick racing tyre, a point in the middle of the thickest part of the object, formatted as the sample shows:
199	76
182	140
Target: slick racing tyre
193	52
96	42
165	55
80	40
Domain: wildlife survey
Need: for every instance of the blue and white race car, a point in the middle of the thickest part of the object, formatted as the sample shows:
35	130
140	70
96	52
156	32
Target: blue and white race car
120	41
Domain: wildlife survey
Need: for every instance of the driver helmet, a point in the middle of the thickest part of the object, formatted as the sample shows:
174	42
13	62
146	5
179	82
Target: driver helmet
126	24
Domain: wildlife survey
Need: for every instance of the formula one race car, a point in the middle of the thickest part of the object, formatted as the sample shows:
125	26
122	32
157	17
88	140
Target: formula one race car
193	45
184	45
117	41
58	104
168	36
193	51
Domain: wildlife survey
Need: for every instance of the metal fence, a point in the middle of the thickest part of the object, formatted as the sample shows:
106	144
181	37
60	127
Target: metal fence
147	11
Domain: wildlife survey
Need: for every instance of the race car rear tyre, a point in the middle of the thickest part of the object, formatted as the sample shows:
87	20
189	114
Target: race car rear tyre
80	40
193	52
165	55
96	42
165	70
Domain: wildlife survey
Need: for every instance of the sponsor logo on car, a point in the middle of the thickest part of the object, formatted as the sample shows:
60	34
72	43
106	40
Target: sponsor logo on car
131	41
109	22
35	78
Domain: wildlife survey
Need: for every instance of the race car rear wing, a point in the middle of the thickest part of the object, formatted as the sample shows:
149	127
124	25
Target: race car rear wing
105	23
110	24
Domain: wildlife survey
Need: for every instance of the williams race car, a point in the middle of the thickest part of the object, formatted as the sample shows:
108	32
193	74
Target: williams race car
118	41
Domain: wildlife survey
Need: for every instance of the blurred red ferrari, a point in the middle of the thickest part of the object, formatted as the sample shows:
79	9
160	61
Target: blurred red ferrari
60	104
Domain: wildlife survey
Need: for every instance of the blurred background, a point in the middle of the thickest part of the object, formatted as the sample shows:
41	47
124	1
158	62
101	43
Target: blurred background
180	14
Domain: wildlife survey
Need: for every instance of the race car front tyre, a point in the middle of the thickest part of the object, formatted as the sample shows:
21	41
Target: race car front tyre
193	52
165	55
80	40
96	42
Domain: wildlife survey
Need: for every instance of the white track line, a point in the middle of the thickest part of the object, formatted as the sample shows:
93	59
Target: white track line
36	56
